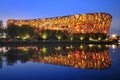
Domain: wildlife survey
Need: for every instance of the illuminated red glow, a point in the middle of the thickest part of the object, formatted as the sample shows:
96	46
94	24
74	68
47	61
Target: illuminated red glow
79	23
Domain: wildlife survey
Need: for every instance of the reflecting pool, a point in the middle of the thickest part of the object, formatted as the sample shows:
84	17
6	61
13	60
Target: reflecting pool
60	62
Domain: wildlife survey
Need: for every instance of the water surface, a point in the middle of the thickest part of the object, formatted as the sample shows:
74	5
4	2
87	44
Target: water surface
60	62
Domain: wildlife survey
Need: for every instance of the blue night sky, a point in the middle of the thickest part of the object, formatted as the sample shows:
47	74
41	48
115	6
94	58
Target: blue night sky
32	9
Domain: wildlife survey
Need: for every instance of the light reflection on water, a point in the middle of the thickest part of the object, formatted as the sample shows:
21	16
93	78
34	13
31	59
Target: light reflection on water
80	56
71	57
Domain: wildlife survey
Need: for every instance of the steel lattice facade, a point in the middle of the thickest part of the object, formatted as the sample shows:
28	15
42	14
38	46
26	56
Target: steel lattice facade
79	23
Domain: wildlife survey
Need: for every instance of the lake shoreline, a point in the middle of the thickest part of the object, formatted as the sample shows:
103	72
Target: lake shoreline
55	42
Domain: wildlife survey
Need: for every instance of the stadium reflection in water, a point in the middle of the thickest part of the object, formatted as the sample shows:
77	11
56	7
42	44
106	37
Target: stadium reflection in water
77	56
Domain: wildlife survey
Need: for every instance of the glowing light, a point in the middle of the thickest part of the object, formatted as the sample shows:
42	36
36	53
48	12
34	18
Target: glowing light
118	41
44	50
81	38
4	36
71	47
58	48
99	46
99	38
114	36
24	49
81	47
59	37
90	45
25	37
18	36
4	50
106	39
67	47
90	39
71	38
44	36
113	46
28	36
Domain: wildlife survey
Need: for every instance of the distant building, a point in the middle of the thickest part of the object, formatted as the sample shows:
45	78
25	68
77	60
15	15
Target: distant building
78	23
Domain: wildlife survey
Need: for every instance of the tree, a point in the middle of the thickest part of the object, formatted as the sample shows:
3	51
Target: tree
81	36
59	34
1	27
52	34
44	34
2	30
71	37
26	31
13	31
1	24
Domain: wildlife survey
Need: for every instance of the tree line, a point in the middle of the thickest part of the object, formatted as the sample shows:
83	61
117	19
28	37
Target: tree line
29	32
